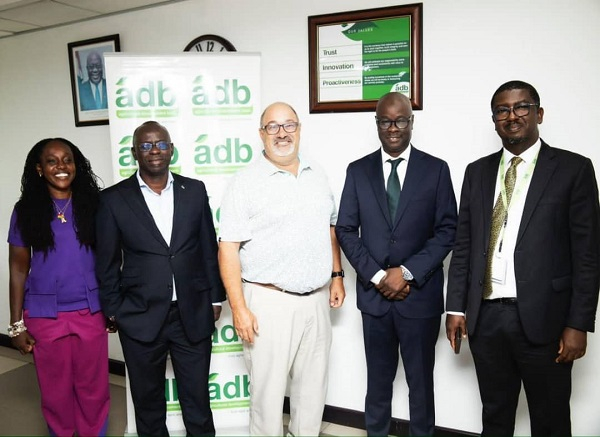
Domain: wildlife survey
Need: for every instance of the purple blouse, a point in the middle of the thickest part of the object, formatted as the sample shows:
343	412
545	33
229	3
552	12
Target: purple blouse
64	280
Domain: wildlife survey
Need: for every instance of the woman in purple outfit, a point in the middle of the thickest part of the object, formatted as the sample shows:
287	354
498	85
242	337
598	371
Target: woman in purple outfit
54	305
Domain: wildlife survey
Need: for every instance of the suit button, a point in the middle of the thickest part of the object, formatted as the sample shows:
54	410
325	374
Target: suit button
393	241
480	282
171	256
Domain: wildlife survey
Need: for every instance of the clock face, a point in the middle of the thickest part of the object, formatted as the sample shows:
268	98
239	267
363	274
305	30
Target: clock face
209	44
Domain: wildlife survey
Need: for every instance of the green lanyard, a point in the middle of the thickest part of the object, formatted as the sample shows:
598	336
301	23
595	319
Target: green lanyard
523	180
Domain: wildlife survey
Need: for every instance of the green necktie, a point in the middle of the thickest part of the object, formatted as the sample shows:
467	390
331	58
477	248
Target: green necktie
393	187
499	214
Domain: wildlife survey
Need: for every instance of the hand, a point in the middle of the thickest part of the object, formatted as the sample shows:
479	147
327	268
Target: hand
245	324
393	286
217	311
573	344
453	323
111	325
24	342
337	293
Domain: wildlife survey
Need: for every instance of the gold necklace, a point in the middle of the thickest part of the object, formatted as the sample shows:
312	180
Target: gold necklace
61	212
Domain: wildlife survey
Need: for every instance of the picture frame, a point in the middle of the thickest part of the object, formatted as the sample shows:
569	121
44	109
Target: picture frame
88	79
356	57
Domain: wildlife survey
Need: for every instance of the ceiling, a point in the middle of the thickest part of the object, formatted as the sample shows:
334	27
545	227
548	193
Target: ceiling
20	16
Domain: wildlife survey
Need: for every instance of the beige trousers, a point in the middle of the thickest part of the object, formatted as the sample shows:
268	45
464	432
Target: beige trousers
294	339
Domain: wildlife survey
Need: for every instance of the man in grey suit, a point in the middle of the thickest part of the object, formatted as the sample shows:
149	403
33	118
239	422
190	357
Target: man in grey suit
156	261
525	268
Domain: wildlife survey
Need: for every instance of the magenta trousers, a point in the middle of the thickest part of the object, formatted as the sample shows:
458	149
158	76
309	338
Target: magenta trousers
71	360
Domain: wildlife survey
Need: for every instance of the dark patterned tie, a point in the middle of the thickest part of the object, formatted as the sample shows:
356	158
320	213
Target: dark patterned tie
498	217
393	187
97	97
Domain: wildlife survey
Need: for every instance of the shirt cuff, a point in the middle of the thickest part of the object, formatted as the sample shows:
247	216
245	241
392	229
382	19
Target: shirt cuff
377	277
455	313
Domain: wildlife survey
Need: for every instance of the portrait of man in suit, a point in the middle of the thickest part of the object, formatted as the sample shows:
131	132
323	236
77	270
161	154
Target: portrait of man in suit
396	225
524	275
159	280
92	92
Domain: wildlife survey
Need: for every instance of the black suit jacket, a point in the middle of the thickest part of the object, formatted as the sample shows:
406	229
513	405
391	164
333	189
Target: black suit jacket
557	251
419	237
136	266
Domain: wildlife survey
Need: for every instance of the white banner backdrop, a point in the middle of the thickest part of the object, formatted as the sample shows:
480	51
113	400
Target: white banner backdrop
210	103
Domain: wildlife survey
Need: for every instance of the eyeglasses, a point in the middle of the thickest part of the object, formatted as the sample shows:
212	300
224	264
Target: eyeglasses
503	112
400	123
273	128
160	145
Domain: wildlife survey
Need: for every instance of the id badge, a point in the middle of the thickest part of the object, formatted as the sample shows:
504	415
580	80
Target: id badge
499	270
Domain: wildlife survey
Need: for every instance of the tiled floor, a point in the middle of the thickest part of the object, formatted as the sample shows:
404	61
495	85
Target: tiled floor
20	413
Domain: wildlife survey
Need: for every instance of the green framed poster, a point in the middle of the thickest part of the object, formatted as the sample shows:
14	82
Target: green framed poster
356	57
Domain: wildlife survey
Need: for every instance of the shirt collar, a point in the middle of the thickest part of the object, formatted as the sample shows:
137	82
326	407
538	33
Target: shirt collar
271	168
527	156
145	185
404	155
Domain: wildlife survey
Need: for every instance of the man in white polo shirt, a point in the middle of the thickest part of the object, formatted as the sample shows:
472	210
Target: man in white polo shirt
278	255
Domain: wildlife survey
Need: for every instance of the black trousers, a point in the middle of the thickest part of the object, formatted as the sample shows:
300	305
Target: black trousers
505	359
146	366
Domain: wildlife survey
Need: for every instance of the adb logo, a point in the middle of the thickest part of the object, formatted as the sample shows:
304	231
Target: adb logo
225	158
225	340
401	87
231	393
225	99
128	165
151	100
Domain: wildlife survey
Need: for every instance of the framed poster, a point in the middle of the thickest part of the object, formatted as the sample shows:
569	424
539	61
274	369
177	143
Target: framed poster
356	57
88	79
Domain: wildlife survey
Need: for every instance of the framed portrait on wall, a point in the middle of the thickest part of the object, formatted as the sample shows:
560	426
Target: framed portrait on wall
356	57
88	79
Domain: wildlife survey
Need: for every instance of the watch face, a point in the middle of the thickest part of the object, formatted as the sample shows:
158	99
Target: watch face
209	44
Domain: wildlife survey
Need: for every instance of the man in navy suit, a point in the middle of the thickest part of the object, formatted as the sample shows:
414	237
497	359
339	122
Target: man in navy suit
156	261
530	296
92	92
397	242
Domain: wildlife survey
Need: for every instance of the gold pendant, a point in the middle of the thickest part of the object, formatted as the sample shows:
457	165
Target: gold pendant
61	217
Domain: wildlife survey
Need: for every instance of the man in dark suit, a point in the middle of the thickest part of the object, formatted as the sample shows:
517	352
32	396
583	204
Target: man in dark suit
158	272
396	242
528	285
92	92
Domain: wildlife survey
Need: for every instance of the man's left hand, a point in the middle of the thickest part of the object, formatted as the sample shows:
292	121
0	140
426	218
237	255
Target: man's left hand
337	292
393	286
573	344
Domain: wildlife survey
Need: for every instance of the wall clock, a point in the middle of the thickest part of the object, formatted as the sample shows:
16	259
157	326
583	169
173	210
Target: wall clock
209	44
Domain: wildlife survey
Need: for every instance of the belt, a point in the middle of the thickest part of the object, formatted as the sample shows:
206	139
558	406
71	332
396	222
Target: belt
502	300
276	288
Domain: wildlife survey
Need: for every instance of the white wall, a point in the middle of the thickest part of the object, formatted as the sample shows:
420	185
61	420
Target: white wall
470	48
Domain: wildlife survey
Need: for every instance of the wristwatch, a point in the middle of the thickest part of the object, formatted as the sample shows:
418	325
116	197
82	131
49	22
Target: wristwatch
337	274
406	274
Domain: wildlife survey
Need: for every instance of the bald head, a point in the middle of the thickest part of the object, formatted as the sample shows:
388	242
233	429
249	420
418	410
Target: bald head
394	99
150	126
273	107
